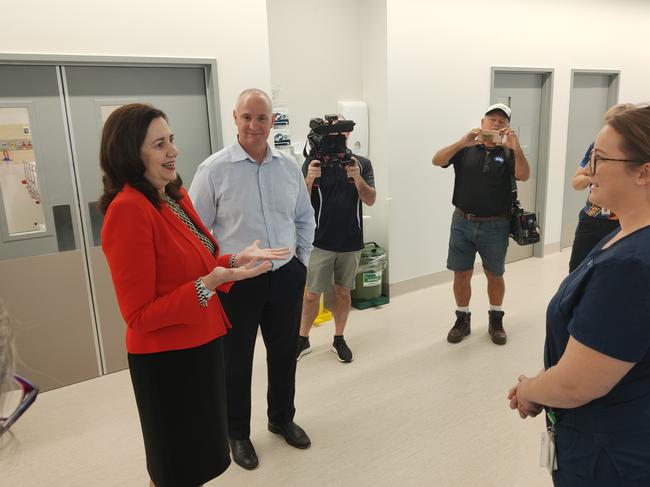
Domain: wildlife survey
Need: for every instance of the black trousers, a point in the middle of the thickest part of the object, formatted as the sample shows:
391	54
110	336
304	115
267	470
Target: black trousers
589	232
272	301
604	474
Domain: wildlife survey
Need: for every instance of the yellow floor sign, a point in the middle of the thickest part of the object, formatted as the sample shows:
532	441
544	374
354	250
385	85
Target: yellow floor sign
324	315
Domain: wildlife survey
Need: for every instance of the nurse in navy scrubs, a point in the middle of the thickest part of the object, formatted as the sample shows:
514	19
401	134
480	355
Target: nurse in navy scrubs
596	382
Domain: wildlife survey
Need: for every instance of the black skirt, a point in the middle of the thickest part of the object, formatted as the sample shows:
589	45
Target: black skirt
182	405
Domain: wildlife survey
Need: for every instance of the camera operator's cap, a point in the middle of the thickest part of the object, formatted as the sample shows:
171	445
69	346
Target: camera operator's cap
501	107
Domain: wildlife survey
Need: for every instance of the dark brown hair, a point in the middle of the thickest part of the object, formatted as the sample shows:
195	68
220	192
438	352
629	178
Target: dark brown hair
634	127
119	155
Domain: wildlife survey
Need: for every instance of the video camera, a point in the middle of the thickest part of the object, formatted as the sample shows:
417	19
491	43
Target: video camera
327	141
523	225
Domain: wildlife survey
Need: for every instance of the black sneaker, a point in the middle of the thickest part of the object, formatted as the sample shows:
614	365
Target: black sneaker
303	347
342	351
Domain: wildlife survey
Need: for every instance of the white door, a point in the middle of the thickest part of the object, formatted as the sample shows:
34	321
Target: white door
55	280
92	93
522	92
590	96
44	280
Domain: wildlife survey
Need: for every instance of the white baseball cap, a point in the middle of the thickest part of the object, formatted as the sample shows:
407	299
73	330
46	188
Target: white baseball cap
500	106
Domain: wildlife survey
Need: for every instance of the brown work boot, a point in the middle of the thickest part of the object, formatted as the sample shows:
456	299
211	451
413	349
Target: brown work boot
461	328
495	327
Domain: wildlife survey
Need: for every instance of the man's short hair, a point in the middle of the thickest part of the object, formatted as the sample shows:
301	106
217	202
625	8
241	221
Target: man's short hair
254	91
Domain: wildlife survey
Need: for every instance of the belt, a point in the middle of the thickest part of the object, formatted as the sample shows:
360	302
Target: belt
474	218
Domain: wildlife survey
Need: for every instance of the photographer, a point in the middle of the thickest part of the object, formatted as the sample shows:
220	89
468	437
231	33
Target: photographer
338	182
484	161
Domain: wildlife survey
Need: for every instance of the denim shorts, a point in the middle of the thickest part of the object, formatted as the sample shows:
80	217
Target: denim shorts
489	239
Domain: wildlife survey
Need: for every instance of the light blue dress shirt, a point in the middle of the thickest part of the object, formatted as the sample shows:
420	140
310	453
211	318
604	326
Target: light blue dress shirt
241	201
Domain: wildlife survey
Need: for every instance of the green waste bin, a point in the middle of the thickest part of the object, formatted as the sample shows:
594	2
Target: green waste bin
370	272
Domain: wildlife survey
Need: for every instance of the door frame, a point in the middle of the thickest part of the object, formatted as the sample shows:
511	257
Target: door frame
209	67
548	79
612	99
614	87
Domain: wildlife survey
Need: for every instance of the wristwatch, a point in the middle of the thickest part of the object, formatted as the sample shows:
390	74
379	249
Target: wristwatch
202	292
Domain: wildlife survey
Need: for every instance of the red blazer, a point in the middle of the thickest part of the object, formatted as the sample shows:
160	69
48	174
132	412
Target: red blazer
154	260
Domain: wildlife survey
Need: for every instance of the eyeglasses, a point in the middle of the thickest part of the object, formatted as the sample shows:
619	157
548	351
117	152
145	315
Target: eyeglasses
594	159
30	392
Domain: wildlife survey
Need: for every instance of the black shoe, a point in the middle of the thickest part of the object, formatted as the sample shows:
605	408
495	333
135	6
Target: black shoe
303	347
461	328
342	351
244	454
495	327
293	434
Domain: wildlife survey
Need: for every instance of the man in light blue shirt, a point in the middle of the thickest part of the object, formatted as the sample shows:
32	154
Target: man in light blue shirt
251	191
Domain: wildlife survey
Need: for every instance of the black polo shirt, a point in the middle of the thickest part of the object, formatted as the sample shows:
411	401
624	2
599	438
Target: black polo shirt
337	207
483	186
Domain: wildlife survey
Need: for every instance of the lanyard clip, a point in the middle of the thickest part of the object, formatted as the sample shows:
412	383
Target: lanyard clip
552	418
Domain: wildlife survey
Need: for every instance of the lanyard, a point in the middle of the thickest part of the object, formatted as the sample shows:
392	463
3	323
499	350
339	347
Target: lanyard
550	414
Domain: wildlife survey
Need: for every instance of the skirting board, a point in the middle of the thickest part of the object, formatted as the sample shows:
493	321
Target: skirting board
552	248
422	282
443	277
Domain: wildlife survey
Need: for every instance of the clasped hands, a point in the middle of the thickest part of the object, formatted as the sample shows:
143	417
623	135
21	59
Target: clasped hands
525	407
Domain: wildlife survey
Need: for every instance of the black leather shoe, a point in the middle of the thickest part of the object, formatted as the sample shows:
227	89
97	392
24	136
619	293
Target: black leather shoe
293	434
244	454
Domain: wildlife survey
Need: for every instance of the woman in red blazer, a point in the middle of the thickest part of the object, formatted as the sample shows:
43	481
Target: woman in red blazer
165	267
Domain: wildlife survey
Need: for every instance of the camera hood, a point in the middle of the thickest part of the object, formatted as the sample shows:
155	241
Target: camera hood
321	127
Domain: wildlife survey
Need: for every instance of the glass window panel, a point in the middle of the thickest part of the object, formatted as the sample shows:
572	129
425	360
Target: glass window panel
19	176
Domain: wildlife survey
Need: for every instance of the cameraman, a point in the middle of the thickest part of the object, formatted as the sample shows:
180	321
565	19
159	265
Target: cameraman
484	163
337	191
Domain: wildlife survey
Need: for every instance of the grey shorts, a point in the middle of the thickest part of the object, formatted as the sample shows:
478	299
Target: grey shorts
489	239
326	267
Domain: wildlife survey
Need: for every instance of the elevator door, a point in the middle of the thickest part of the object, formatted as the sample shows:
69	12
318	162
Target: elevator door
43	275
92	92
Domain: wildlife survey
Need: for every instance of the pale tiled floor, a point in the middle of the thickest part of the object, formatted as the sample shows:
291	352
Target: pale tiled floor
411	410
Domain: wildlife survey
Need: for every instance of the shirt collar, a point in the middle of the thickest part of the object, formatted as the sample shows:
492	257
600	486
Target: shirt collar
239	154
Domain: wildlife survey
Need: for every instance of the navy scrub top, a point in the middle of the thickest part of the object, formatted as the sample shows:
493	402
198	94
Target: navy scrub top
605	305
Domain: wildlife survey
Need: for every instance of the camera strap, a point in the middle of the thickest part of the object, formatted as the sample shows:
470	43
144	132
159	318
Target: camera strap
513	182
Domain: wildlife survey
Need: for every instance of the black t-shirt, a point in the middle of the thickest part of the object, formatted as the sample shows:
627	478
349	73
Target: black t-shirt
483	185
337	207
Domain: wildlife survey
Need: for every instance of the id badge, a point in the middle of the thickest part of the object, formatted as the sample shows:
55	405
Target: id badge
547	457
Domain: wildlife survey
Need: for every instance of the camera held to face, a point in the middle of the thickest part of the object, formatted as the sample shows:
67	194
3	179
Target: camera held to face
327	141
490	137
